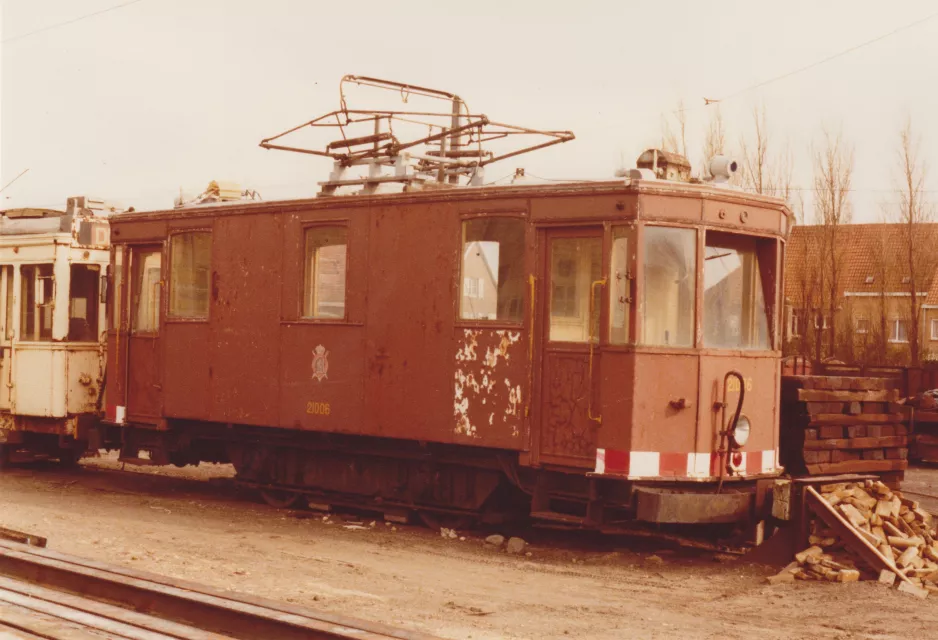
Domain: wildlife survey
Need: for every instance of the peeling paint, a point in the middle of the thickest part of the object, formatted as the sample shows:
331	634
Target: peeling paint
479	388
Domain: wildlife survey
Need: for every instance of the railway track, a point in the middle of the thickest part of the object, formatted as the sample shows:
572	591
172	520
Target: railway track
49	595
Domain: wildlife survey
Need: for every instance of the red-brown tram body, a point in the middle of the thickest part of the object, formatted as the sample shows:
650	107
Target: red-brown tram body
567	348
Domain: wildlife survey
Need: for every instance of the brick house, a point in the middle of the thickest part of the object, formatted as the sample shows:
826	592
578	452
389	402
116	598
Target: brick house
873	310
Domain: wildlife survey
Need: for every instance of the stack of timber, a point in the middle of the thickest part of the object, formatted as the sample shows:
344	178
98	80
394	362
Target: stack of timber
865	529
923	416
833	424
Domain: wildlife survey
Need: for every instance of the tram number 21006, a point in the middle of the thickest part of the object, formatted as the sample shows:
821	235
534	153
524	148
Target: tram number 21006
318	408
732	385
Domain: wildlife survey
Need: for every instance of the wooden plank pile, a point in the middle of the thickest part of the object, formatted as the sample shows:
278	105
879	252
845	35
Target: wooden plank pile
923	416
893	538
835	424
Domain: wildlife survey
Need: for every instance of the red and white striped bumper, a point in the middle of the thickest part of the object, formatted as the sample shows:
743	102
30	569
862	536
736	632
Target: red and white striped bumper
115	413
644	465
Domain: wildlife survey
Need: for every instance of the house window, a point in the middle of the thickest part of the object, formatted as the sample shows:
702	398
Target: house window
869	280
492	270
820	322
906	279
190	260
862	324
474	288
38	292
795	324
899	331
326	263
934	329
670	286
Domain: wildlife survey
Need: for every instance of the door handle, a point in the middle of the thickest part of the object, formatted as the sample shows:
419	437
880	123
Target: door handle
589	408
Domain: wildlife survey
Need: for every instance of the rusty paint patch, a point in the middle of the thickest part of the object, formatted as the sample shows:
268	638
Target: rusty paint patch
478	398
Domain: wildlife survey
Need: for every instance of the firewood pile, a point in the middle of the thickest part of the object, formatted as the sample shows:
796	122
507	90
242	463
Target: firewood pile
899	529
836	424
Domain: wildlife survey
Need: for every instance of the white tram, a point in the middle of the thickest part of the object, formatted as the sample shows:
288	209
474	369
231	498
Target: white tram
53	267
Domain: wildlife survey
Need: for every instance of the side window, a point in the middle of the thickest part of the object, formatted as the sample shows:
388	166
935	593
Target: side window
190	258
145	281
669	285
117	287
575	263
620	287
6	291
83	303
38	291
325	267
492	270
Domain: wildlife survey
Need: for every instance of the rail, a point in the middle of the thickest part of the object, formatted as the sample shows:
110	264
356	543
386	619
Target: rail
47	594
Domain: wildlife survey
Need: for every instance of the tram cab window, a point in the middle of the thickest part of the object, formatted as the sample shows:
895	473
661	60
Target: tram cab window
735	314
38	291
492	277
190	272
620	284
669	286
325	272
83	303
117	288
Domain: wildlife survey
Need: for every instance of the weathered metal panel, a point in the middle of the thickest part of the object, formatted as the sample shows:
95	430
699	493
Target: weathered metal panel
144	391
136	231
582	207
745	216
661	379
245	319
662	505
84	378
39	381
616	378
411	338
760	401
490	392
328	397
187	366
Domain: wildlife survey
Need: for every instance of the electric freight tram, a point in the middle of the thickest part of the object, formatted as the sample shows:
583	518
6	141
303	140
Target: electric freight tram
588	351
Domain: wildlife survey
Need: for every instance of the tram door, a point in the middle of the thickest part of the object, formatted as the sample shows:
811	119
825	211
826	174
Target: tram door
571	297
143	343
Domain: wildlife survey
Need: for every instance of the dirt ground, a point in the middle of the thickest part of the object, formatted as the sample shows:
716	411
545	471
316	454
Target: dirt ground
174	522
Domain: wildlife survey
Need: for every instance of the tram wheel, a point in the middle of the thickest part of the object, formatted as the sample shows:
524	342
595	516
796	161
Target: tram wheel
279	498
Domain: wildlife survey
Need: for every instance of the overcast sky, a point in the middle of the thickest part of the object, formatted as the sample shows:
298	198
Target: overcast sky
135	103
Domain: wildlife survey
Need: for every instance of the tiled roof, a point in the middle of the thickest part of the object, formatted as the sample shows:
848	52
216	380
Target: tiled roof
873	258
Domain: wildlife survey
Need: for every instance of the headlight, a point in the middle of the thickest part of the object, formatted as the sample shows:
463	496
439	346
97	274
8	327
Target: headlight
740	434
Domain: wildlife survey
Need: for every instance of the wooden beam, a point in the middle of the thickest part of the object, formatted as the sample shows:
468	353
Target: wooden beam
830	419
857	466
885	442
818	395
24	538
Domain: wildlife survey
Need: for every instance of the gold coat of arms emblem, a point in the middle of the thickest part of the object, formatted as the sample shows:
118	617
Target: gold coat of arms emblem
320	363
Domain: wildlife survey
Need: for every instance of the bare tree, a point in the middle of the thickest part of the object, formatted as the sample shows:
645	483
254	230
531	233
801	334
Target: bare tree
765	171
914	212
674	138
714	140
833	172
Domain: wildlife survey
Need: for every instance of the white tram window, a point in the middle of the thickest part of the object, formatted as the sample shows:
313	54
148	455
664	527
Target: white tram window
669	286
325	272
83	303
38	292
117	288
190	274
492	269
735	315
